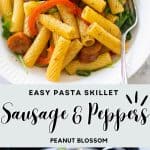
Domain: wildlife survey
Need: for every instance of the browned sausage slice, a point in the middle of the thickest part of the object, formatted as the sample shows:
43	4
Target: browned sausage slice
89	54
19	43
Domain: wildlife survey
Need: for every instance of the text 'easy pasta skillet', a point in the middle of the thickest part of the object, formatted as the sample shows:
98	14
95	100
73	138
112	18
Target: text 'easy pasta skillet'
75	36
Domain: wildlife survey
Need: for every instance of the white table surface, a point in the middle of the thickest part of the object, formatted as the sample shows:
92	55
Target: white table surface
141	77
3	81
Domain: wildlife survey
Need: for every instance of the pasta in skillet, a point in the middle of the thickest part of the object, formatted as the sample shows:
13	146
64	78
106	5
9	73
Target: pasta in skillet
75	36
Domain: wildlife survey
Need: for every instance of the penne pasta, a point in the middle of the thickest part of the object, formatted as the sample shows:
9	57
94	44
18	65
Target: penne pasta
17	22
37	47
101	62
69	19
0	8
25	28
123	2
56	63
112	18
92	16
116	6
73	50
85	38
55	35
98	5
29	6
57	26
105	38
6	9
12	2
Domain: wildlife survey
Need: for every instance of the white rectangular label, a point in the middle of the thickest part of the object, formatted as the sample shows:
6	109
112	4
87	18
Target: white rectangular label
73	116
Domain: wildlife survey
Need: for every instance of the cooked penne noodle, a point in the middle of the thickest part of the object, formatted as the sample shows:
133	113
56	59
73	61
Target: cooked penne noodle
98	5
12	2
0	8
112	18
116	6
73	50
56	63
101	62
25	28
105	38
57	26
123	1
85	38
17	22
29	6
55	35
6	9
37	47
69	19
91	16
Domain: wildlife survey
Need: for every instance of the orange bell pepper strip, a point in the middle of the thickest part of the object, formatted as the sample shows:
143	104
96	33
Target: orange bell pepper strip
45	7
43	61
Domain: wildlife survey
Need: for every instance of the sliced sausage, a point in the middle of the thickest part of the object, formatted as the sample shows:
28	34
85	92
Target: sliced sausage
90	54
19	43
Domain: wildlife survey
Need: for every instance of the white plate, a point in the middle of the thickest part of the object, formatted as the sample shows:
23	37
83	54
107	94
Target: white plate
139	51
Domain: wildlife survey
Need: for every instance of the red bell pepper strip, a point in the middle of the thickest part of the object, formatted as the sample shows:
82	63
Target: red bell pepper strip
43	61
45	7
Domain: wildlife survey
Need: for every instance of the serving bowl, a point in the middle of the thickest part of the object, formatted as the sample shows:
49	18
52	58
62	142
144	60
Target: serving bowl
138	52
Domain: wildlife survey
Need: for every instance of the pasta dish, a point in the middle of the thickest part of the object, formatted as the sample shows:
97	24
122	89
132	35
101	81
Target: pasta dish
75	36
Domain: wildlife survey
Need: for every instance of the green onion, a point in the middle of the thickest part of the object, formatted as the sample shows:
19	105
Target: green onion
126	19
6	29
84	73
107	10
53	10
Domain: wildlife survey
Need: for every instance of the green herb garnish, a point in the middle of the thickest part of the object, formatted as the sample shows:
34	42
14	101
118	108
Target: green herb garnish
20	59
53	10
6	29
126	19
84	73
107	10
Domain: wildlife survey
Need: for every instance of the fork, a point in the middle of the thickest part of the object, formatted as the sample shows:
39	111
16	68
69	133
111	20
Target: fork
132	8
